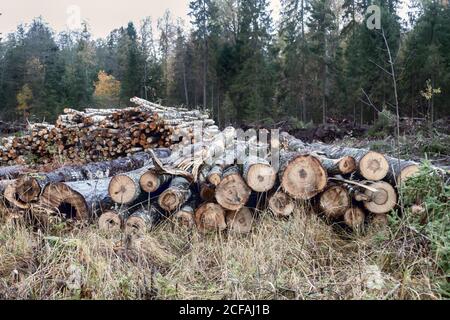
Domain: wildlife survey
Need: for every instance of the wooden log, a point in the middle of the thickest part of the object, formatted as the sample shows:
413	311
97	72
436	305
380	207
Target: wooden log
111	221
259	174
281	205
215	175
371	165
240	221
400	170
30	186
10	194
186	215
342	166
176	195
12	172
210	217
207	192
4	184
334	202
301	176
125	188
232	193
382	201
151	180
354	218
143	220
80	200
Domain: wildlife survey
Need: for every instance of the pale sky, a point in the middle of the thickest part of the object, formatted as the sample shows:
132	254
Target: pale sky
102	15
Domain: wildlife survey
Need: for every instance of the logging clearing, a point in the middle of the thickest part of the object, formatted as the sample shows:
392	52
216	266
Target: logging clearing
194	173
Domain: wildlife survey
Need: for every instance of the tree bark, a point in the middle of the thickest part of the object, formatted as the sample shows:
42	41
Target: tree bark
30	186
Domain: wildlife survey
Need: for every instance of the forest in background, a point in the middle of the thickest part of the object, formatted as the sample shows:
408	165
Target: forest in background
320	60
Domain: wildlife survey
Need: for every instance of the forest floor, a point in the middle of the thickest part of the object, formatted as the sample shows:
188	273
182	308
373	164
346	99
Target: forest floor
303	257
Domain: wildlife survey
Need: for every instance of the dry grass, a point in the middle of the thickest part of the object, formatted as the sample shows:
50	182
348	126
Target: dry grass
299	258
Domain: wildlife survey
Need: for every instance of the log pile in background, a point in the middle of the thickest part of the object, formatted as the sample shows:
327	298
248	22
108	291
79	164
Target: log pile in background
95	135
204	184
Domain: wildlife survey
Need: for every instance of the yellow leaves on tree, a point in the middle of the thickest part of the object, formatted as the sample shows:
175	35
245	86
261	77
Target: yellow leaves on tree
24	98
107	89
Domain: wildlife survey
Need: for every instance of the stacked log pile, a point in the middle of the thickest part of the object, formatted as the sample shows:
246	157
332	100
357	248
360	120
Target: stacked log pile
216	182
95	135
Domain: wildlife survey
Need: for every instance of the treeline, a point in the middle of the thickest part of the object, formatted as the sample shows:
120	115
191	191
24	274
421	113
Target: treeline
321	60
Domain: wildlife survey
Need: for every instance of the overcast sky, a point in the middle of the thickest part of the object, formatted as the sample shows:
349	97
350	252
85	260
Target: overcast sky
102	15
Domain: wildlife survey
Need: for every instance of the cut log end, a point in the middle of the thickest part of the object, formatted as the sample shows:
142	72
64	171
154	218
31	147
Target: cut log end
382	201
354	218
150	181
240	221
135	225
12	197
28	188
334	202
304	177
281	205
122	189
407	172
170	200
110	221
261	177
232	193
210	217
185	217
373	166
65	201
347	165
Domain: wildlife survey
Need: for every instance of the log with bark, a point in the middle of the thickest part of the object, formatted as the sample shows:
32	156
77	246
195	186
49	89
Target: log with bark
281	205
210	217
259	174
354	218
232	193
143	220
112	220
334	202
240	221
301	176
30	186
80	200
370	164
340	166
176	195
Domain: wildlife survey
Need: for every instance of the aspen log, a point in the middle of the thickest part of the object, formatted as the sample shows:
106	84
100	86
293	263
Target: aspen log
176	195
301	176
143	220
112	220
400	170
342	166
30	186
371	165
281	205
232	193
240	221
152	181
186	215
334	202
259	174
80	200
382	201
210	217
